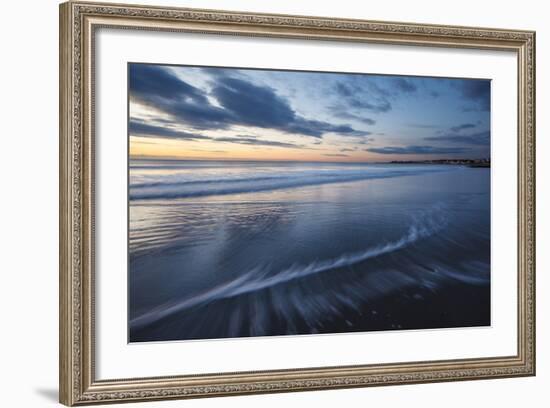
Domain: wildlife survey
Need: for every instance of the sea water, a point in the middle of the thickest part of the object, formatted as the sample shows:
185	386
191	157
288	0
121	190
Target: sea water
231	249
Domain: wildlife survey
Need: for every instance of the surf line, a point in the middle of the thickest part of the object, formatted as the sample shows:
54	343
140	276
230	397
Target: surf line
259	277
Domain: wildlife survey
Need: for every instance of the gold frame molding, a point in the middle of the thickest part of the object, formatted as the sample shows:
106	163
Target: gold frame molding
78	23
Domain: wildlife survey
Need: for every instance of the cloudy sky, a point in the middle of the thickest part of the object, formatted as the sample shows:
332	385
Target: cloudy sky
243	114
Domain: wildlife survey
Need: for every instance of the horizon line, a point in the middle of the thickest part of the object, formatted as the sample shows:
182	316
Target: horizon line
172	158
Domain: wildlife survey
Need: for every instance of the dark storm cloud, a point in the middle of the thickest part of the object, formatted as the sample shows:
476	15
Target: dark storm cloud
416	150
479	138
143	129
476	91
246	140
464	126
242	103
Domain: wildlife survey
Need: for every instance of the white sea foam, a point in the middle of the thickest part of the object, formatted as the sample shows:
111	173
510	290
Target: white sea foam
262	277
184	185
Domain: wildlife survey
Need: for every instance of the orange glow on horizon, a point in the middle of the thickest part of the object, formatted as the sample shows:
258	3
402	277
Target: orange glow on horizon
209	150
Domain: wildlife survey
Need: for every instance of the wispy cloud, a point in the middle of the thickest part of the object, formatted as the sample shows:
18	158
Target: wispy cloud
240	102
464	126
146	130
256	142
160	89
404	85
351	116
423	125
478	92
329	114
478	138
416	150
354	95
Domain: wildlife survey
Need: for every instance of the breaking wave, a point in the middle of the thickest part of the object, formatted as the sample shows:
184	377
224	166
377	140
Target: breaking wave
184	188
262	277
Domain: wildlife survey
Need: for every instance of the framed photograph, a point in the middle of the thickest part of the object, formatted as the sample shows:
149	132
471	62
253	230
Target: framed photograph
256	203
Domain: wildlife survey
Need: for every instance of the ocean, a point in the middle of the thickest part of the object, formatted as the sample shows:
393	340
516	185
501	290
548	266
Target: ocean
222	249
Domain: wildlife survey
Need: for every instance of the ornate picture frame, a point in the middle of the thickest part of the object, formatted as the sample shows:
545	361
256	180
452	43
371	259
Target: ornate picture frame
79	22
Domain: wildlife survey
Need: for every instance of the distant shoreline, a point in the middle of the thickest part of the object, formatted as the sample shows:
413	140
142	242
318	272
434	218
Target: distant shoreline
475	163
480	163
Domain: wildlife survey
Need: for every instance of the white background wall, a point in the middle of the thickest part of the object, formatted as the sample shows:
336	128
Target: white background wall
28	203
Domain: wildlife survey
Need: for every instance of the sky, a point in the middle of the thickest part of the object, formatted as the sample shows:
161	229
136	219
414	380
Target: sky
246	114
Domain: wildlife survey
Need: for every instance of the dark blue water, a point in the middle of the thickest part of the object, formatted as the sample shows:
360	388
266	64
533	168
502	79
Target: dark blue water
232	249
